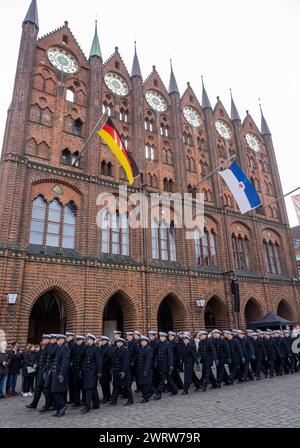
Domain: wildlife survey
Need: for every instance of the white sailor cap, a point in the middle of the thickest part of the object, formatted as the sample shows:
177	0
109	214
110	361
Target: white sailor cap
52	336
186	336
249	330
46	336
239	332
152	332
162	333
137	332
104	338
79	336
216	331
117	332
171	333
69	334
227	332
61	336
120	340
129	333
91	336
144	338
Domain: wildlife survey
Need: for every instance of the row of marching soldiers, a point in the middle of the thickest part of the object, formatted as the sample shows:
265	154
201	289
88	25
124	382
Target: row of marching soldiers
76	364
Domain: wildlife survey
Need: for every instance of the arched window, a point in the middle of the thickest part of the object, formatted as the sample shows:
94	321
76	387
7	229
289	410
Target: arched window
70	96
172	242
150	152
148	124
106	168
66	157
115	233
272	257
106	108
169	158
240	249
154	239
78	127
163	241
164	130
53	225
123	115
205	247
164	155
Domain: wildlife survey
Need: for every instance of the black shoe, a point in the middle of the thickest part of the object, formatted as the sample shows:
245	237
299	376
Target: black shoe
75	405
85	410
113	403
44	409
203	388
128	403
61	412
157	397
173	393
96	407
30	406
55	415
185	392
144	400
258	378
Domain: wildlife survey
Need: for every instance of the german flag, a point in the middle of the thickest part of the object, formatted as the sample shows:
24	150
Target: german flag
113	140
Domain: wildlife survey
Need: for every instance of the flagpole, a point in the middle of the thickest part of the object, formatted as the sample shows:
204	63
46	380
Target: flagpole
89	138
280	197
216	169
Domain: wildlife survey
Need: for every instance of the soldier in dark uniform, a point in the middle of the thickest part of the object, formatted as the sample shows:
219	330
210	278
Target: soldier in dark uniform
286	351
60	375
223	355
248	354
260	354
77	366
207	355
39	383
47	374
144	367
136	338
164	365
133	349
235	356
153	343
177	350
121	372
279	357
189	358
91	372
106	352
71	344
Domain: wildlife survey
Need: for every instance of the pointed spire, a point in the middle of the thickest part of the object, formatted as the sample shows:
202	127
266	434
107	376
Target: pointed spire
264	126
96	50
173	88
32	14
234	112
136	69
205	100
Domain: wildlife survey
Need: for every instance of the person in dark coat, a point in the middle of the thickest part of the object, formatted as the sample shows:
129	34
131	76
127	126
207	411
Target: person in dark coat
72	345
60	375
177	349
248	355
121	373
106	352
260	354
189	358
28	370
279	352
4	367
15	364
40	368
133	349
47	374
235	356
136	338
144	367
164	364
223	355
207	355
91	372
288	368
77	354
153	343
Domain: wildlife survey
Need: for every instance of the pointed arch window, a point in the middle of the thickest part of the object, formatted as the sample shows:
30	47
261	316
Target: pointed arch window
205	247
172	242
53	224
154	239
70	95
115	233
240	249
272	257
150	152
163	240
78	127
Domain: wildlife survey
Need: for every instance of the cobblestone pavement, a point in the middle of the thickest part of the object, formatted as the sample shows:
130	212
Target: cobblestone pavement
267	403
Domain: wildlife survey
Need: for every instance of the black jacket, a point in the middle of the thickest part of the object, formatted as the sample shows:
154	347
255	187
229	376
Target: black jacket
207	352
91	367
77	352
60	369
15	361
236	353
144	365
106	353
164	357
29	360
120	363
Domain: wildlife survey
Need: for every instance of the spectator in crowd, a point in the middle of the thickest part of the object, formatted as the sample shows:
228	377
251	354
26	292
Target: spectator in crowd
4	363
29	361
15	364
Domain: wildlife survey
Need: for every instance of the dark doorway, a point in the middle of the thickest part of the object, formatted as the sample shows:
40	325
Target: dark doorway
113	318
209	318
284	310
252	311
164	316
47	316
215	315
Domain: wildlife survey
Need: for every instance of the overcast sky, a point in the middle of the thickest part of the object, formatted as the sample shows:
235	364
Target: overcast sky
249	46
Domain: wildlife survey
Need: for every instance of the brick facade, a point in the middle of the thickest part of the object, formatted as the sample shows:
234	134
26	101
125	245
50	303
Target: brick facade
82	280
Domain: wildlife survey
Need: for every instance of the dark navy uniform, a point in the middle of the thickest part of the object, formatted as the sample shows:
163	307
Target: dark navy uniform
78	353
39	382
72	346
121	374
47	376
144	370
189	358
207	355
223	357
177	361
260	356
60	378
248	354
91	369
106	353
164	365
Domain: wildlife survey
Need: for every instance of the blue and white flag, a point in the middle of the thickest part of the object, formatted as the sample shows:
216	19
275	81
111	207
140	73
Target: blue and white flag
240	186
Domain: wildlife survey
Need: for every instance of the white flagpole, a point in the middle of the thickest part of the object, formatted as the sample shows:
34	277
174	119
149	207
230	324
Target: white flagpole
89	138
280	197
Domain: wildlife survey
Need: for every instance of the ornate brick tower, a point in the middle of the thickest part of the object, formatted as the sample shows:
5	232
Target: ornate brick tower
67	273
